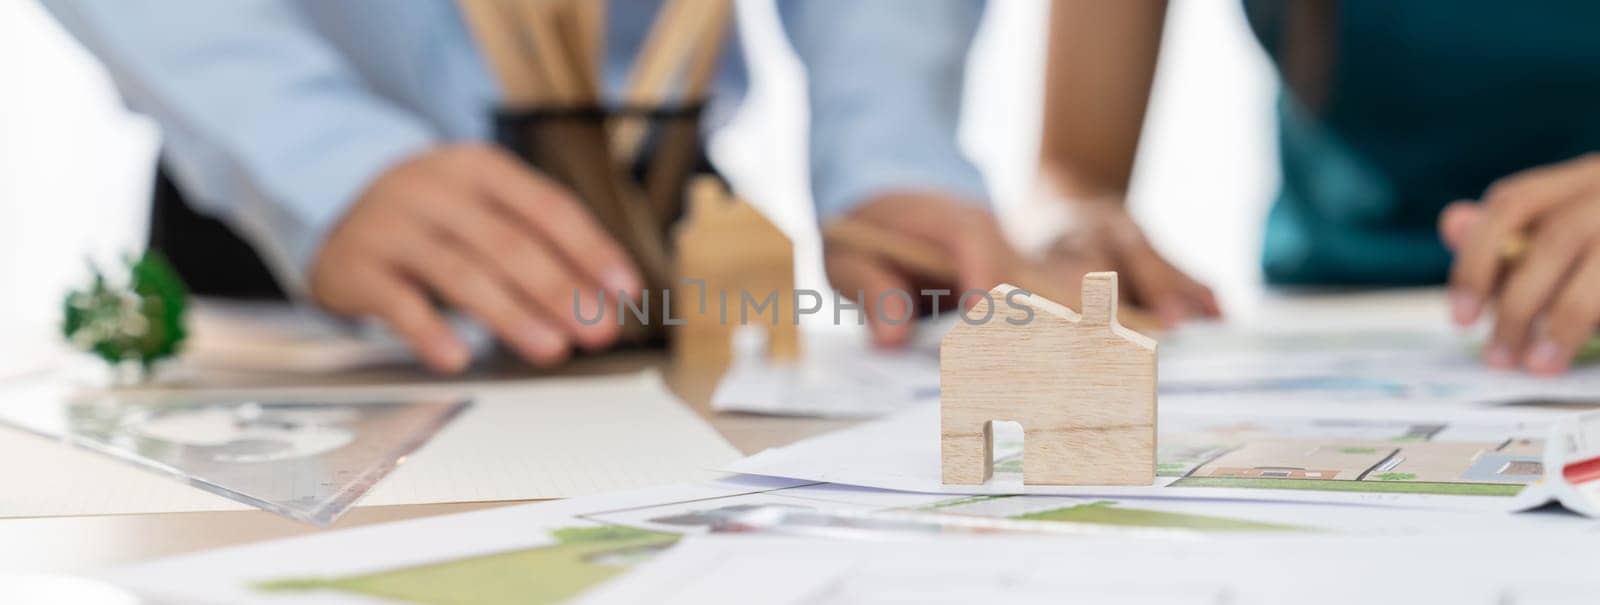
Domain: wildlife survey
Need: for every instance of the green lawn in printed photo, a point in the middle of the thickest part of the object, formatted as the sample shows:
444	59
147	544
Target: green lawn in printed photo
581	558
1171	469
1108	513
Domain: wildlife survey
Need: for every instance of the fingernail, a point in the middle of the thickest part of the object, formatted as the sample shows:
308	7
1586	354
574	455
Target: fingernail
452	354
1546	358
539	340
1465	307
595	331
889	337
1499	356
621	279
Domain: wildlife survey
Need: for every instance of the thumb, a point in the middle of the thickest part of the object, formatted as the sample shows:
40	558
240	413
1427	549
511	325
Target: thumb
1457	222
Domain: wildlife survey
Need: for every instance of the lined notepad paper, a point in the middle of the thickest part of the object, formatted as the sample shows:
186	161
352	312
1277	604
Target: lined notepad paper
548	438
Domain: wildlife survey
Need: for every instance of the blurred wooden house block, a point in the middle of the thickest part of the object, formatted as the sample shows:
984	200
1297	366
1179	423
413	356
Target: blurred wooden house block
733	267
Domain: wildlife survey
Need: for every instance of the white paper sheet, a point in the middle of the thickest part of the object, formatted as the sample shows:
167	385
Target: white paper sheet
1373	459
1195	517
1572	463
1359	364
355	564
1325	356
1507	569
837	376
537	439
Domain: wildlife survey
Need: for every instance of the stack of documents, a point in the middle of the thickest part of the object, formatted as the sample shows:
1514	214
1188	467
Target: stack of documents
564	549
1449	458
1373	465
1470	570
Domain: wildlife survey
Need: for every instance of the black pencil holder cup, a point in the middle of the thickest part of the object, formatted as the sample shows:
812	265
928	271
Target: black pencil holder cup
559	142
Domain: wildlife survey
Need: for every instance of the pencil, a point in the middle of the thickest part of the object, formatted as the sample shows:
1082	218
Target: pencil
541	37
678	145
499	43
665	50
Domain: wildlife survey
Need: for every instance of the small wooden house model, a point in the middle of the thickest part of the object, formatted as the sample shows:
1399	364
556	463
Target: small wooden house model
1082	386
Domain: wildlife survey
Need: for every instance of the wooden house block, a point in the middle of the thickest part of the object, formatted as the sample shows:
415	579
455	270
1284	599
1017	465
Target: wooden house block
1082	386
747	265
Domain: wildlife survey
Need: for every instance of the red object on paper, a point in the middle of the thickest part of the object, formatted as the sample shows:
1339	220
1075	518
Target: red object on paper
1582	472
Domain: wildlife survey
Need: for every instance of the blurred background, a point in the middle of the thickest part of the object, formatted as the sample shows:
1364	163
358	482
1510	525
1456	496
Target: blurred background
76	168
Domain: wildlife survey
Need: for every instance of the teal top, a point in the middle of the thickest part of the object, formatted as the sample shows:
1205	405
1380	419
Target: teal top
1429	102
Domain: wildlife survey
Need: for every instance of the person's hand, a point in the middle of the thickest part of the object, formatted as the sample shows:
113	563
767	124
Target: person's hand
473	227
1102	237
1531	251
965	233
971	239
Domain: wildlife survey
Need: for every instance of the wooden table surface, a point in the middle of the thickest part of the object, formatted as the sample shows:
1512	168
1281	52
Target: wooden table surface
85	544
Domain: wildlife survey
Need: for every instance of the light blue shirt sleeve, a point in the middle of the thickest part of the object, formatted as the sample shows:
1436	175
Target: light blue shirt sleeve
223	79
886	81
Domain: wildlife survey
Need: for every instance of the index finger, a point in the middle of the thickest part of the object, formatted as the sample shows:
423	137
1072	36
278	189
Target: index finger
557	215
884	295
405	310
977	250
1457	221
983	260
1510	206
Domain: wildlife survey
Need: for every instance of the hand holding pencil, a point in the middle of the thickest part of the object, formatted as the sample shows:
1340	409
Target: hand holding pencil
1530	251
